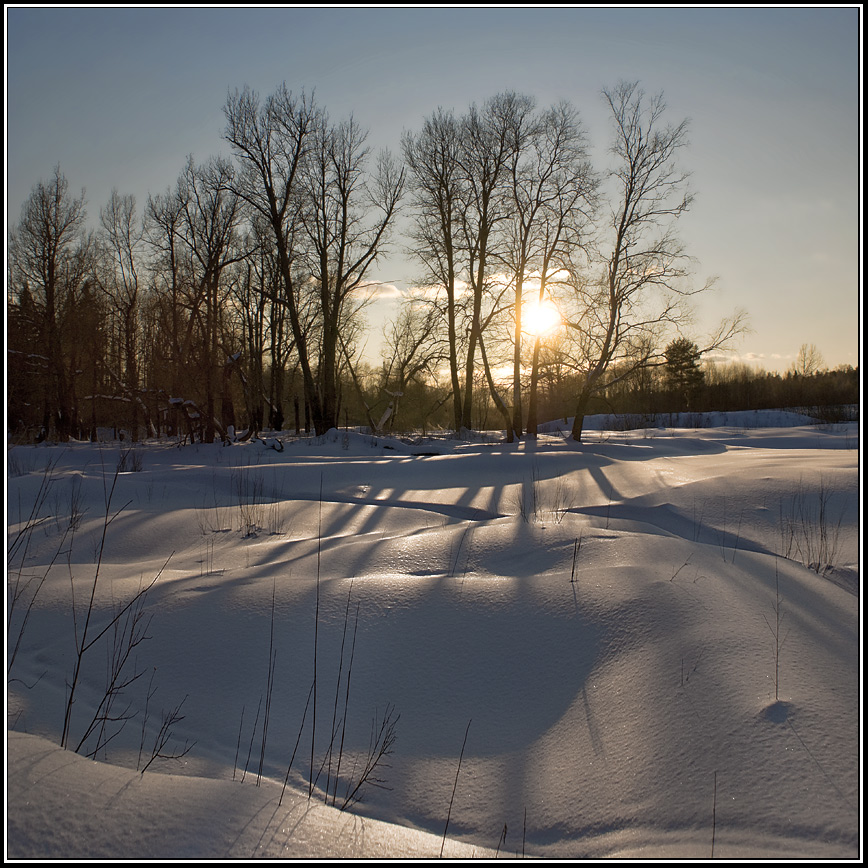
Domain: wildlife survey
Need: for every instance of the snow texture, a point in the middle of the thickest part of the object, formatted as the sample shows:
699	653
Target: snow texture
602	621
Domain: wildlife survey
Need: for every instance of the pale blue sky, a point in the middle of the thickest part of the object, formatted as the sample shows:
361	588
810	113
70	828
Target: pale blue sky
120	97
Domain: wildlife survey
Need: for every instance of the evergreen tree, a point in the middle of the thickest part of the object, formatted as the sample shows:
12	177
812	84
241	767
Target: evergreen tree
684	377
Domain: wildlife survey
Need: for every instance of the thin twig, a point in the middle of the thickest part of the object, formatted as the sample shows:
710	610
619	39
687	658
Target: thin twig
297	742
315	634
272	658
238	743
346	707
501	841
713	814
454	786
252	736
337	693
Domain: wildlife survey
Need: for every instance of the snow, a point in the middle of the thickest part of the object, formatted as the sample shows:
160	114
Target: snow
598	619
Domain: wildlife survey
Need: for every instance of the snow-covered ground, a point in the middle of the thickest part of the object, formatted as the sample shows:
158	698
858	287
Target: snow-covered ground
581	651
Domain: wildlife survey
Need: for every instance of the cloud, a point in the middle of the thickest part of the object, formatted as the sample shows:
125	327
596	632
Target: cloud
728	357
435	291
380	290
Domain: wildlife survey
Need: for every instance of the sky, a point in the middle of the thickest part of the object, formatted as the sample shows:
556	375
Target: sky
120	97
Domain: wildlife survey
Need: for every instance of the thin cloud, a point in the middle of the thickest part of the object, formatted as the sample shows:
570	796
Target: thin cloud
380	290
437	291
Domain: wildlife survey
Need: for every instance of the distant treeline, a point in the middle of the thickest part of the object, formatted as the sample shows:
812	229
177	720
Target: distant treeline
423	404
827	395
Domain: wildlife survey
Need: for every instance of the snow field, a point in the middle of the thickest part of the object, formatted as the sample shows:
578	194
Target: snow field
602	710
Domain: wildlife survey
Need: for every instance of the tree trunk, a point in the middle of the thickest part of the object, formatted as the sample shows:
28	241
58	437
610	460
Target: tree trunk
453	358
227	406
498	401
532	401
516	360
579	420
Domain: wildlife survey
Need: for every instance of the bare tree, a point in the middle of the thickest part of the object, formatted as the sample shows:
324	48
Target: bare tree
210	216
498	195
272	140
620	319
346	217
265	334
121	238
460	181
432	157
414	345
249	301
808	361
491	136
49	255
552	187
169	283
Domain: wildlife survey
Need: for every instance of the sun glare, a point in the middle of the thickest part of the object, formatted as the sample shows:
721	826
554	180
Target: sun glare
539	319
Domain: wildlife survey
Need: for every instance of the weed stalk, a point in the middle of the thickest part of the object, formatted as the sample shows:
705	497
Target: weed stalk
454	787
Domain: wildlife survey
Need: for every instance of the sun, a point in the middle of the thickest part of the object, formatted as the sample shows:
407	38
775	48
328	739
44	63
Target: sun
539	318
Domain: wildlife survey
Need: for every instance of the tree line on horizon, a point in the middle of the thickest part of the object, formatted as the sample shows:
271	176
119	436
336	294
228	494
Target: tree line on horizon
682	383
237	298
